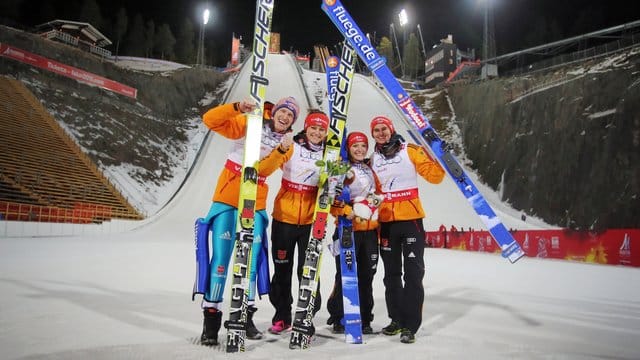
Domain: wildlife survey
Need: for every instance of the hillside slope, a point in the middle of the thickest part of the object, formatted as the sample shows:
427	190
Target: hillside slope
565	145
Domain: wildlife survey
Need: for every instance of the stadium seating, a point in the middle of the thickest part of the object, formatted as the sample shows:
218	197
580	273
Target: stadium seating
44	175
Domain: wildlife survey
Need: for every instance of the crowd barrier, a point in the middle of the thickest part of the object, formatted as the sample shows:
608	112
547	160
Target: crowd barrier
613	247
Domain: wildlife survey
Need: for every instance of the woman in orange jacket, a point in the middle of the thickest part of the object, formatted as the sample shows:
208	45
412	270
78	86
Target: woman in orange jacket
293	210
230	121
361	182
402	240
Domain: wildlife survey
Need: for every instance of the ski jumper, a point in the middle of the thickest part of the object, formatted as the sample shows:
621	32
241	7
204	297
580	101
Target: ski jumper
402	231
228	121
293	211
365	234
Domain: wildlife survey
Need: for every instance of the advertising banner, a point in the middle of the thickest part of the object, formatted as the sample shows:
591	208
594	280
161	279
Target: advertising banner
65	70
235	51
614	246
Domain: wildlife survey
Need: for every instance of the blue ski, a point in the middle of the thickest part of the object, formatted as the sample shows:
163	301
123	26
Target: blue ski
415	119
339	103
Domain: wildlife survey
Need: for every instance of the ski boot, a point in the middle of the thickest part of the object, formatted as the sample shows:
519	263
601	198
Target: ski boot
211	326
252	332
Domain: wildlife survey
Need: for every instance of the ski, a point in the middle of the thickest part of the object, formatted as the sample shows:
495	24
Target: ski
331	173
352	320
237	321
415	119
349	275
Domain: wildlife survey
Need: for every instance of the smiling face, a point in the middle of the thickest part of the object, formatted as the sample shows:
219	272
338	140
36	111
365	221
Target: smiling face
381	133
357	151
316	134
282	120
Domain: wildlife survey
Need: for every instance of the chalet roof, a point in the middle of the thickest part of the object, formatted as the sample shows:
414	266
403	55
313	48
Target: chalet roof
76	28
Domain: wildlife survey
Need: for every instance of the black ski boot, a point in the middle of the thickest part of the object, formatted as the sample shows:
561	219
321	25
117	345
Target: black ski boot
210	327
252	332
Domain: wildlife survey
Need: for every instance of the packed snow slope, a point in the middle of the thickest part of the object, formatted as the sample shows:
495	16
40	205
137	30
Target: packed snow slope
128	295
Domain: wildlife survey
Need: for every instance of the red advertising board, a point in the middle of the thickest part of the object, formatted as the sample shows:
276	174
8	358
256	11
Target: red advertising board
235	51
614	246
65	70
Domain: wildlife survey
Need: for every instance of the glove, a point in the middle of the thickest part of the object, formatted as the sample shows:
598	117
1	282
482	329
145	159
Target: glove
334	247
266	112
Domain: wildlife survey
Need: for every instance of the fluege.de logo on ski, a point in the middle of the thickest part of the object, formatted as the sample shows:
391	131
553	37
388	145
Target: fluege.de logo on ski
352	32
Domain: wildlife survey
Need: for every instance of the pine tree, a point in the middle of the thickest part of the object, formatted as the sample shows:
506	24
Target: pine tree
185	48
90	13
412	56
165	42
385	49
135	37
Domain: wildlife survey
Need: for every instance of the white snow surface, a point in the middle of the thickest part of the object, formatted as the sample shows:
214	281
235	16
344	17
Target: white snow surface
123	290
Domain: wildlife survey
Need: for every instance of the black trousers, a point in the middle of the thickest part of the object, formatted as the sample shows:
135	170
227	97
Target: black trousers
284	239
366	244
402	253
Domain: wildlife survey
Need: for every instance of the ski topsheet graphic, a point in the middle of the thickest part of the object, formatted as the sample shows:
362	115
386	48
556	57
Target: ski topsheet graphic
236	325
417	121
331	173
348	267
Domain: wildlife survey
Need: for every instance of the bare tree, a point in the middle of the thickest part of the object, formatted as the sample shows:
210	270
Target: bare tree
149	38
120	27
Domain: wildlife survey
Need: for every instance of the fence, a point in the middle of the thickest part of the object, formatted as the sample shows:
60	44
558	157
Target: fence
624	43
613	247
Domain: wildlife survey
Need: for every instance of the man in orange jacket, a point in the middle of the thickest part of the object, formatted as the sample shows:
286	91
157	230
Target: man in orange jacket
230	121
397	165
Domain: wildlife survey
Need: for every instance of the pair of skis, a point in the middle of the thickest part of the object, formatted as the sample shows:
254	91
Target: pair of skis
416	120
352	320
237	323
339	76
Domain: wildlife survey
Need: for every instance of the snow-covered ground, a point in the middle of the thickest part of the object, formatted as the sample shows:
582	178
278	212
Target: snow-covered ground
103	293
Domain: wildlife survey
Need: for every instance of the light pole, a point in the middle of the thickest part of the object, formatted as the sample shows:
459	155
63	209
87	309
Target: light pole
402	16
200	55
392	30
488	43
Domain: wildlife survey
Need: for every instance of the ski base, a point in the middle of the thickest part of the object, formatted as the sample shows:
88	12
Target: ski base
349	276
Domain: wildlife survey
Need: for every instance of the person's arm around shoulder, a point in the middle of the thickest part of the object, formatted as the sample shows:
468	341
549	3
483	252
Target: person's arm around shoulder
229	120
427	167
278	156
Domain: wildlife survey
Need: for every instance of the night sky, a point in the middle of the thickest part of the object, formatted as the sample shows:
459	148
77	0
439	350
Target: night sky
302	23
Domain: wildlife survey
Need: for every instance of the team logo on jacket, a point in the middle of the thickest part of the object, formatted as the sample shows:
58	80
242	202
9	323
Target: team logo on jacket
220	269
282	254
384	244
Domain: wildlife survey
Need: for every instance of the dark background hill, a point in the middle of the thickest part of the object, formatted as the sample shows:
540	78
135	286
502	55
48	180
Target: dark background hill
563	145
